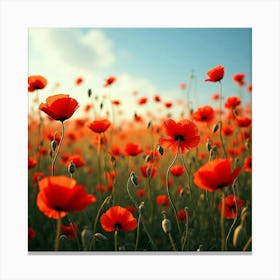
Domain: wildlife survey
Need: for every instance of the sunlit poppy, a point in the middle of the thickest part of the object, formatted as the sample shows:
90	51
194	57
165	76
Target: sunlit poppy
70	231
142	100
116	150
36	82
79	81
162	200
37	176
248	164
232	102
77	160
215	174
239	79
32	162
204	114
99	126
157	98
31	233
183	86
132	149
183	134
215	74
59	107
230	210
118	218
109	81
244	122
148	171
60	194
177	170
227	130
168	104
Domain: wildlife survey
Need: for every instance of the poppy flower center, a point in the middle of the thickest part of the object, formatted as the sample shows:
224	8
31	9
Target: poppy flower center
118	226
179	138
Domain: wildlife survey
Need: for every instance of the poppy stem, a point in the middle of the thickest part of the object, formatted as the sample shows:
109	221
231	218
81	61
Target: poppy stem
106	200
172	242
58	149
236	215
137	233
187	229
116	240
58	227
222	225
167	190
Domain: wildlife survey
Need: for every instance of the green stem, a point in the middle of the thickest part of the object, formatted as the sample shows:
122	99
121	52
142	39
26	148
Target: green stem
137	233
57	236
186	233
116	240
172	242
222	225
167	190
58	149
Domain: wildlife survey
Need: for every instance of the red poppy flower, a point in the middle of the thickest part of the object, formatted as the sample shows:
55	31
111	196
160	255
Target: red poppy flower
249	88
162	200
109	81
215	174
118	218
99	126
244	122
140	192
183	134
70	231
177	170
60	194
87	107
59	107
215	74
168	104
239	79
77	160
227	130
131	209
183	86
37	177
116	151
248	164
32	162
31	233
157	98
204	114
230	210
79	81
148	171
36	82
232	102
116	102
182	215
215	96
132	149
142	101
100	188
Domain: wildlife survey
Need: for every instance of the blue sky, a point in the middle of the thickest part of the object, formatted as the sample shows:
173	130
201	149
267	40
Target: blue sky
149	60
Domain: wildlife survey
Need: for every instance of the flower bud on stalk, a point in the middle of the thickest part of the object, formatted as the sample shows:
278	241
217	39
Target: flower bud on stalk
134	179
160	150
215	127
71	167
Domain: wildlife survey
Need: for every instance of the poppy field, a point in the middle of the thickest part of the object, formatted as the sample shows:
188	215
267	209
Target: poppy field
156	182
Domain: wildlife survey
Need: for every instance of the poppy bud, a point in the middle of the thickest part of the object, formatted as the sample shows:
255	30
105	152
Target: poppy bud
149	124
148	158
148	172
53	145
141	207
166	225
247	144
101	106
71	167
235	112
86	236
89	93
63	237
51	153
215	127
208	145
200	248
134	179
239	236
160	150
100	237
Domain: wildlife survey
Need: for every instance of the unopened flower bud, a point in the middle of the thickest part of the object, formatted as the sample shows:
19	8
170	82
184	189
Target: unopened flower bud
200	248
89	93
166	225
215	127
134	179
148	172
101	106
53	145
208	145
239	236
100	237
148	158
141	207
113	161
86	236
160	150
149	124
71	167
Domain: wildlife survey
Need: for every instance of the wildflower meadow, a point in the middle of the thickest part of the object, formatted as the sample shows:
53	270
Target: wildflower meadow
99	181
